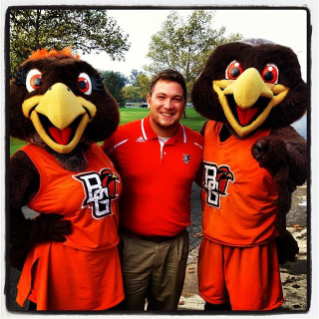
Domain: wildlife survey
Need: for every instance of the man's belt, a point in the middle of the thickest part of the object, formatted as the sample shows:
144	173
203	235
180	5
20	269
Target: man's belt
154	239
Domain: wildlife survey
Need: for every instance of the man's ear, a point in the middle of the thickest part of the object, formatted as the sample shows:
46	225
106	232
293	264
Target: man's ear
148	100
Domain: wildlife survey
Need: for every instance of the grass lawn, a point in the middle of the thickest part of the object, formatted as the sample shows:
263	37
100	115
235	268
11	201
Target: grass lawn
192	120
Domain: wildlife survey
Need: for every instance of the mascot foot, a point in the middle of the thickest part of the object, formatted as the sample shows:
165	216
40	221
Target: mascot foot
287	248
32	306
215	307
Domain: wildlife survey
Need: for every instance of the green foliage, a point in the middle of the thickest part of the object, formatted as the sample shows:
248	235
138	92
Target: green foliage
144	83
133	77
15	144
115	82
139	88
91	31
131	93
186	45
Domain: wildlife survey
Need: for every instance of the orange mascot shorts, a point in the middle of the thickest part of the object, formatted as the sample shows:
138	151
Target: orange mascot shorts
248	278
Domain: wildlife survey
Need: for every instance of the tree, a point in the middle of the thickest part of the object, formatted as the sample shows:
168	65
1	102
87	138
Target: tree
138	91
115	82
90	31
186	45
131	93
133	77
143	82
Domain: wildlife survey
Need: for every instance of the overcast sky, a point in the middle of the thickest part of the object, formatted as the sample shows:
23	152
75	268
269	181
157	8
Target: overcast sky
285	27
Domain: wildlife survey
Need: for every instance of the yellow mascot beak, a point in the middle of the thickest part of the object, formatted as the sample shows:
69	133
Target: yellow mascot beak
59	117
248	100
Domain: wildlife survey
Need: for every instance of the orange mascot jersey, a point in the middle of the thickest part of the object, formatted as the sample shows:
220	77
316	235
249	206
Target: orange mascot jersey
237	195
83	273
238	258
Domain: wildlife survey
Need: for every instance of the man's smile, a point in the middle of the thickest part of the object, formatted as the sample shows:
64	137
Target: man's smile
167	114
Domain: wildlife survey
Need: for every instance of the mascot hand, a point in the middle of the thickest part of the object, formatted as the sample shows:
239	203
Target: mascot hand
287	248
271	153
280	222
49	227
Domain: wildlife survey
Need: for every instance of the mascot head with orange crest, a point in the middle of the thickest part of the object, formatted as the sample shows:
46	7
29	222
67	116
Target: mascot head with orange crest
59	102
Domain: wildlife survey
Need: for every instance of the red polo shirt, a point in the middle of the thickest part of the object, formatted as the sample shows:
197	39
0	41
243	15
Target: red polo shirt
157	179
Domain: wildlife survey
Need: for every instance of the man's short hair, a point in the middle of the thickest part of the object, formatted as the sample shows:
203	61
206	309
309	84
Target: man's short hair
169	75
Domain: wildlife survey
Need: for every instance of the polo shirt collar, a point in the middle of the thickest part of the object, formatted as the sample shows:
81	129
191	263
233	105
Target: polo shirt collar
149	134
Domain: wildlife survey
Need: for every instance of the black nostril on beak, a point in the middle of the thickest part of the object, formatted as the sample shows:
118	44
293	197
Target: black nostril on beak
32	110
88	112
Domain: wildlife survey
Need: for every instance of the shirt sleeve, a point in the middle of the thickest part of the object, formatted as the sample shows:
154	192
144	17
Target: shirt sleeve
109	143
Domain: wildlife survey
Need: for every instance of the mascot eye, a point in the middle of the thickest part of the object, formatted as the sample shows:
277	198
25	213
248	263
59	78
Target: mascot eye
270	74
234	70
85	84
34	80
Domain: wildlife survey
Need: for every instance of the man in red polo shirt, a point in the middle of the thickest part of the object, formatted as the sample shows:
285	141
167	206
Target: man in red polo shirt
158	159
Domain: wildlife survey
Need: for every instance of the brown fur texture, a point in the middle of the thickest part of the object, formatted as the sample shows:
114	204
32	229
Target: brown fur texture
64	70
294	105
24	183
24	176
284	152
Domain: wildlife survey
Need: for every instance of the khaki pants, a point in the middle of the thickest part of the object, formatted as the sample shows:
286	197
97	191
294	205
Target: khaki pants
153	271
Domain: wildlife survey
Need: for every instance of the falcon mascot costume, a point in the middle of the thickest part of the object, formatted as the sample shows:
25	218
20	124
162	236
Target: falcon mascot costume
250	92
68	253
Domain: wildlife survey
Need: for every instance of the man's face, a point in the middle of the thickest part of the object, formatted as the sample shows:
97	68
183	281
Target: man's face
166	106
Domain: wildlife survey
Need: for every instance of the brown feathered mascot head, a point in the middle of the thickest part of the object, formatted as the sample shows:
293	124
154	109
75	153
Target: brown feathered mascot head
251	85
59	102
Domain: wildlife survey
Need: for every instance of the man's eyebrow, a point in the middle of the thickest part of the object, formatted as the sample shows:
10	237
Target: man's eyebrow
162	93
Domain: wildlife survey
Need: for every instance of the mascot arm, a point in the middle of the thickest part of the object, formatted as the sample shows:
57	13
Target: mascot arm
24	185
284	154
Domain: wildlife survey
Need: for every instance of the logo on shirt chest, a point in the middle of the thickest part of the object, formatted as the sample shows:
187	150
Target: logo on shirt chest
100	190
216	180
186	158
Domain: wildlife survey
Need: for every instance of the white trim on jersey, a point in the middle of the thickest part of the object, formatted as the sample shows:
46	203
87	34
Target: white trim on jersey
200	146
116	145
143	130
184	134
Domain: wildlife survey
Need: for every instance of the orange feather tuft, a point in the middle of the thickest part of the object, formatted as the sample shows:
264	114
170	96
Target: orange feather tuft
41	53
